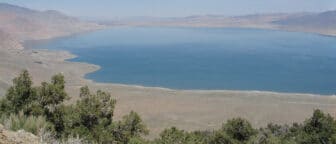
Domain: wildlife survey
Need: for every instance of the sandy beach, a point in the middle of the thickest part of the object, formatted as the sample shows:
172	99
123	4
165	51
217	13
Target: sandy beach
159	107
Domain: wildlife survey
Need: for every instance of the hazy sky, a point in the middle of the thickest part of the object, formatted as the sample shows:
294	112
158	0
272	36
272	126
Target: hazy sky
173	8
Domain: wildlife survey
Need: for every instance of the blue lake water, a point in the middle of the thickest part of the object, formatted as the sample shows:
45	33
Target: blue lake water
207	58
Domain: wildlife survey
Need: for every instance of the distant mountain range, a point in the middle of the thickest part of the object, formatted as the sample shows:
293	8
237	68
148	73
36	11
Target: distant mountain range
322	23
325	19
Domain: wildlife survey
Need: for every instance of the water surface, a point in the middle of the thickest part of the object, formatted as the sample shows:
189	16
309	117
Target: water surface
207	58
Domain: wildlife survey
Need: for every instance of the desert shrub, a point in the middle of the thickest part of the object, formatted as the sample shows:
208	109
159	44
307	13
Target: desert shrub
239	129
220	137
133	125
91	118
33	124
269	138
176	136
41	111
138	140
33	100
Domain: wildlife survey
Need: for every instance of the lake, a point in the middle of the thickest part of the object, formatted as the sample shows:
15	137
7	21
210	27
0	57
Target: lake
207	58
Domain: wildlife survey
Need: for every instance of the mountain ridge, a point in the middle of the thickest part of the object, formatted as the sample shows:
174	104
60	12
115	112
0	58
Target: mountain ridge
321	23
327	18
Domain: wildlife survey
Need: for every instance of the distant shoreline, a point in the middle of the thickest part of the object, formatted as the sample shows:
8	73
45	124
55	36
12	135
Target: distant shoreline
328	34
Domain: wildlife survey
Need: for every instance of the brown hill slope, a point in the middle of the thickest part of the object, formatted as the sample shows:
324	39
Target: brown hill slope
8	42
27	24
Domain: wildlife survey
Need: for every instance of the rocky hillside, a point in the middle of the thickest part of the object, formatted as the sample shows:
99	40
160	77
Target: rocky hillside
27	24
8	41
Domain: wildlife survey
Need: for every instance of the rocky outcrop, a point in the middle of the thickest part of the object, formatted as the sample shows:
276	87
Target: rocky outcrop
20	137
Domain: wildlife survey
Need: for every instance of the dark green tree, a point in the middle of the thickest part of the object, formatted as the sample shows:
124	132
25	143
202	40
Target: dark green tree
49	96
131	126
239	129
91	117
20	95
220	137
54	93
319	129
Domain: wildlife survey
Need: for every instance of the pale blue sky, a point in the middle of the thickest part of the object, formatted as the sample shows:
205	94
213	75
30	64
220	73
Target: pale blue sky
173	8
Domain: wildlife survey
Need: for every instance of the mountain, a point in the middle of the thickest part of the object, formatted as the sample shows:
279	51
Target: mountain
316	20
27	24
323	23
260	20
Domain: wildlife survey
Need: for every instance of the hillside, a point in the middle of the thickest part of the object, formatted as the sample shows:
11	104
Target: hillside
18	24
8	41
27	24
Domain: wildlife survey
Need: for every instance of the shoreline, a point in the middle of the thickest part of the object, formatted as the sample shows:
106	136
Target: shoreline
266	26
98	67
162	107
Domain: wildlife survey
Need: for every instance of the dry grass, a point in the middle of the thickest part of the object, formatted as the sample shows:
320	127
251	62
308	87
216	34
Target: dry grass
19	121
47	137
